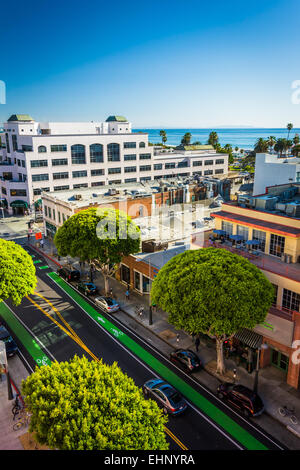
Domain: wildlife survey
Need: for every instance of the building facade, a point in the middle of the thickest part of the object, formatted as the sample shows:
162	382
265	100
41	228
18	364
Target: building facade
273	169
57	156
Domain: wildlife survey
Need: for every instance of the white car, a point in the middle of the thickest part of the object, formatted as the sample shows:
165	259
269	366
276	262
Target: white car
107	303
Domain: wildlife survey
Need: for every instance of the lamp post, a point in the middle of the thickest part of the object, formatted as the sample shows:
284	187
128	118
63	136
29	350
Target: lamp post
255	386
150	307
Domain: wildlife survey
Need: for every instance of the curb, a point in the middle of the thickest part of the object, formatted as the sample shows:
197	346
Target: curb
44	254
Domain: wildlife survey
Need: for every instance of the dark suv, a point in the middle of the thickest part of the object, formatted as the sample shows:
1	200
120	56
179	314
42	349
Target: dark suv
186	359
69	274
242	398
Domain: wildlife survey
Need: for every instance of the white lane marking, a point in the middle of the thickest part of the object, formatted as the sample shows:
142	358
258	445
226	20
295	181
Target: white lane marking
146	367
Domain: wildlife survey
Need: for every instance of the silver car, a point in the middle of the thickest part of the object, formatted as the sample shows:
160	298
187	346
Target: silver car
107	303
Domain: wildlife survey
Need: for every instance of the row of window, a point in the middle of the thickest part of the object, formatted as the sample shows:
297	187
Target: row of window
79	158
93	147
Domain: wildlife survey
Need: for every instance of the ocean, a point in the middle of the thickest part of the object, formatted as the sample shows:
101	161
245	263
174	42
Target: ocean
237	137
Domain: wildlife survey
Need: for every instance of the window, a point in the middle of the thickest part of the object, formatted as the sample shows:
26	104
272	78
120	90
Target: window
145	156
7	143
98	183
261	237
38	163
59	161
219	171
4	190
208	162
130	180
129	145
79	174
113	171
145	178
220	161
208	172
158	166
23	163
243	231
59	217
276	245
145	168
97	172
78	154
80	185
58	148
27	148
60	176
61	188
18	192
96	153
182	165
42	177
130	169
227	227
168	166
129	157
113	152
42	149
115	182
197	163
142	145
197	173
291	300
19	162
14	142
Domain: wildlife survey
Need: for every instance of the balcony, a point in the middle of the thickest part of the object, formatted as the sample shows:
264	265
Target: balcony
262	261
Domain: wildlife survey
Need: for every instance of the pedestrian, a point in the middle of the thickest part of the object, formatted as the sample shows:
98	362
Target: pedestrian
28	236
197	343
127	294
177	338
111	292
42	244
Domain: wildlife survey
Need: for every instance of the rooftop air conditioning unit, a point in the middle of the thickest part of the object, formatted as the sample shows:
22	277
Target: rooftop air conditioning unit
112	191
77	197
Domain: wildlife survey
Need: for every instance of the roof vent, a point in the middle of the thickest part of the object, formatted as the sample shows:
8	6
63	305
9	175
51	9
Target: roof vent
77	197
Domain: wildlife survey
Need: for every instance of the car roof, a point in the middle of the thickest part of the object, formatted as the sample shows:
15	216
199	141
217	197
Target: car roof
187	352
244	390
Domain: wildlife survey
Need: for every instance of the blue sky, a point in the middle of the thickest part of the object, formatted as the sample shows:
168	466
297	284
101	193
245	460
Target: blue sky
160	63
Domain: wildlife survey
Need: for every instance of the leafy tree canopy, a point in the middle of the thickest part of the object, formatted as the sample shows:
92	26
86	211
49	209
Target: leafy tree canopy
88	405
79	235
213	291
17	272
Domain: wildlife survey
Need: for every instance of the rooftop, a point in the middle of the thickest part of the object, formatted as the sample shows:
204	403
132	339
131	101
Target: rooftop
20	117
116	119
159	258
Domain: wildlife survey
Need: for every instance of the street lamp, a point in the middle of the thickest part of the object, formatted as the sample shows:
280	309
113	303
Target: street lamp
255	386
150	307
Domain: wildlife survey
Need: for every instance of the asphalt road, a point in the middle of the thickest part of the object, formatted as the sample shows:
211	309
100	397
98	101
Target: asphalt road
193	430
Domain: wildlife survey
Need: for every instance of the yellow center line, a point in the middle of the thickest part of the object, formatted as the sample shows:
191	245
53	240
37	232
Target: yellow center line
71	333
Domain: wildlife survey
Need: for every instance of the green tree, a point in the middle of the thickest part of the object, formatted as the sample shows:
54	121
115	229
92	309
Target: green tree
281	146
213	139
289	128
102	235
296	139
163	135
88	405
271	142
212	291
186	139
261	146
17	272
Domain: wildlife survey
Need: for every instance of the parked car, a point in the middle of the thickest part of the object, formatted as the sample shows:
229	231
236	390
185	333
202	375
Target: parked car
10	345
186	359
166	396
69	273
87	288
242	398
107	303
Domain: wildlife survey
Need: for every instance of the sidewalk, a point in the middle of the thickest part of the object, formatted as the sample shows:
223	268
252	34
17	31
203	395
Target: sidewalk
272	386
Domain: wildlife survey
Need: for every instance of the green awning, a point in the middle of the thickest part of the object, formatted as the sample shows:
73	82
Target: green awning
249	337
18	203
38	203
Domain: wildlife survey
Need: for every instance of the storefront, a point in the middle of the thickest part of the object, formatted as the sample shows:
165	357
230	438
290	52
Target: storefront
19	207
244	348
50	230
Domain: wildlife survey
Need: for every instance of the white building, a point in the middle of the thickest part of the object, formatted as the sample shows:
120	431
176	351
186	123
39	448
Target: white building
271	170
56	156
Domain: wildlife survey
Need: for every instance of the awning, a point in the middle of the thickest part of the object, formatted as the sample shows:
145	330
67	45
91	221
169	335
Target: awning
249	337
18	203
38	203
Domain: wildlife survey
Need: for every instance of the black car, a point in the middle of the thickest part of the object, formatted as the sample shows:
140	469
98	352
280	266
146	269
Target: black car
166	396
87	288
69	274
242	398
186	359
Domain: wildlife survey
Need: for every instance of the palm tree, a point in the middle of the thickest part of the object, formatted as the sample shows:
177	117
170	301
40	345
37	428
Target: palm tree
296	139
261	146
213	139
163	135
271	142
281	146
186	139
289	128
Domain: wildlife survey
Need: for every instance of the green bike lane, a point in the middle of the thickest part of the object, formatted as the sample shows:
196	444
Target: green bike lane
221	419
